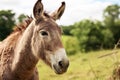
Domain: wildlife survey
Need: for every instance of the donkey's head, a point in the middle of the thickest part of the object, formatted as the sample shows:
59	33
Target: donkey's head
46	40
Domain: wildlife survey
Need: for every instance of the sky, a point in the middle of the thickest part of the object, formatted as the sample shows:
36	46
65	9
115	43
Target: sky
75	11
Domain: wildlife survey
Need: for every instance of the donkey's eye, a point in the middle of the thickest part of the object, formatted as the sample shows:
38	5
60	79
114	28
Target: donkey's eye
44	33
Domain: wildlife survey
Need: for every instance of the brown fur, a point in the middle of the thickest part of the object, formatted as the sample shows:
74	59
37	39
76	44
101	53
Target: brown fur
21	50
7	52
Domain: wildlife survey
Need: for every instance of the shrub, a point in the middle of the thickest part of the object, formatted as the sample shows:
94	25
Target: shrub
71	44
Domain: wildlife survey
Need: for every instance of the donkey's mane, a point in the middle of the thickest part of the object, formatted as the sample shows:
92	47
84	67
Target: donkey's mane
10	42
17	31
22	26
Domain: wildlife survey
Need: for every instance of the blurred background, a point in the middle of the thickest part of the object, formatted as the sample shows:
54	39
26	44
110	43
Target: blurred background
91	35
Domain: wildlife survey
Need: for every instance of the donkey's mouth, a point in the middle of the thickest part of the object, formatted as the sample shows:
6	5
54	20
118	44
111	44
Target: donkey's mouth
59	70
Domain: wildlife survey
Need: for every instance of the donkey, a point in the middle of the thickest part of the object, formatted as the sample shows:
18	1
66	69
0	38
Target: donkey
36	38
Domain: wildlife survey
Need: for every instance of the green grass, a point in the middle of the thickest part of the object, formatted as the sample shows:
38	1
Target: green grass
83	66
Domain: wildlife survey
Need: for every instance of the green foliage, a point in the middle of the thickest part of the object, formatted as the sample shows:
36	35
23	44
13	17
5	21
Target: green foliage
92	35
7	22
21	17
95	35
81	31
67	29
112	11
112	19
71	44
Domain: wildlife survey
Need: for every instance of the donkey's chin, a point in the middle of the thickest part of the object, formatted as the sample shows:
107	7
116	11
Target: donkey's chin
58	70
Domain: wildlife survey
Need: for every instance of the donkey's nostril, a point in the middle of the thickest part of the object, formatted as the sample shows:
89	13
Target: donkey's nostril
61	64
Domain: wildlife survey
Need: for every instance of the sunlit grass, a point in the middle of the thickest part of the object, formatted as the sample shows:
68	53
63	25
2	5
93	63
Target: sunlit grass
83	66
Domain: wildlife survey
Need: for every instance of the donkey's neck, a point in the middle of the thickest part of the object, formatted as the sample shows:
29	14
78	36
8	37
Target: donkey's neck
24	60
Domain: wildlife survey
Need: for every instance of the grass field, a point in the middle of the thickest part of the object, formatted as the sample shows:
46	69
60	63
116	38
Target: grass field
84	66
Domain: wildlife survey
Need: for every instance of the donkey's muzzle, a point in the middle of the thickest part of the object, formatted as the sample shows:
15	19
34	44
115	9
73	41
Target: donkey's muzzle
61	67
60	61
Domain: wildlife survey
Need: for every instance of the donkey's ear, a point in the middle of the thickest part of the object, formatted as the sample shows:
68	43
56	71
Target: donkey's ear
57	14
38	9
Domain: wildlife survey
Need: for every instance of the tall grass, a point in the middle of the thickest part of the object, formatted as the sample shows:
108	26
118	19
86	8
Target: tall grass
83	67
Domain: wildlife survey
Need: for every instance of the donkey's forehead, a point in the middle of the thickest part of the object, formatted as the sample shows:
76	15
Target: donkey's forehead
49	24
45	18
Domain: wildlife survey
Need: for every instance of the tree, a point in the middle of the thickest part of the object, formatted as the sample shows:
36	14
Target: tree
67	29
111	20
7	22
21	17
92	35
81	31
